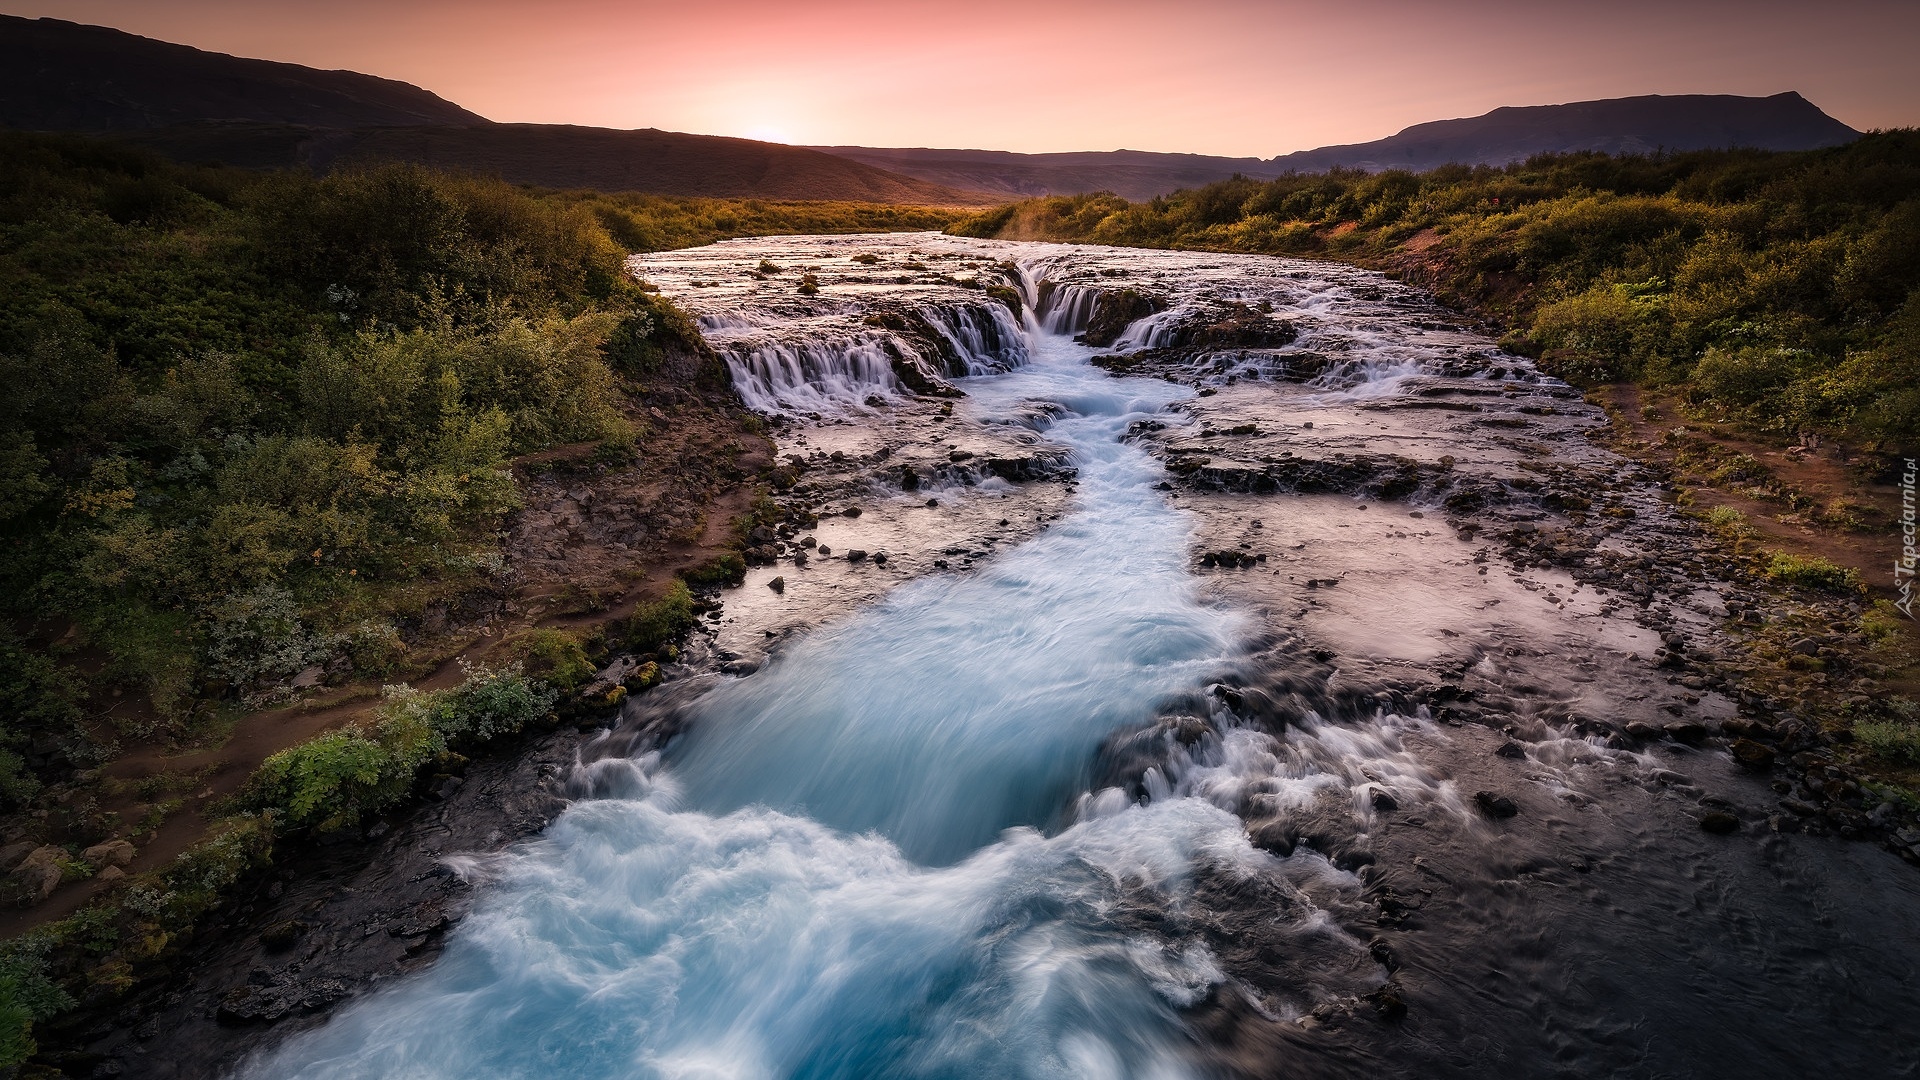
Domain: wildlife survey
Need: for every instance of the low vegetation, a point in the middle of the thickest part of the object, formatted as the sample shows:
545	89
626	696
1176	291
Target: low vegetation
1778	289
257	426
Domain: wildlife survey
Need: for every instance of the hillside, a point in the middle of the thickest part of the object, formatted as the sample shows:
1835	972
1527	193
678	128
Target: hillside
62	76
200	107
1635	125
1131	174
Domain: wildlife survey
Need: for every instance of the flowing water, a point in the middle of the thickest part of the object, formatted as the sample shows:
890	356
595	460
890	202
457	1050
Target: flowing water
1075	809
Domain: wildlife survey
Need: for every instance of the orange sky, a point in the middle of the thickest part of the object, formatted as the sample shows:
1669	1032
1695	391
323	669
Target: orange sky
1206	76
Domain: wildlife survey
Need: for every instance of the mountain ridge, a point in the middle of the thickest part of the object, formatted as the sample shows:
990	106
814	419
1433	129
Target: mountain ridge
194	105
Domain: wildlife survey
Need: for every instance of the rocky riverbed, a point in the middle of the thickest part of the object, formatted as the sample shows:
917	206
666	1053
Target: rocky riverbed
1237	664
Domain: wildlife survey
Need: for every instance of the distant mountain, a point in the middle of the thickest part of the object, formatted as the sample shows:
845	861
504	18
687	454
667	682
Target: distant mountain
1615	126
1131	174
63	76
200	106
1635	125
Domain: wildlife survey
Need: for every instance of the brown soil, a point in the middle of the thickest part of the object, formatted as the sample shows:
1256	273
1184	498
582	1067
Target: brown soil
1814	479
591	542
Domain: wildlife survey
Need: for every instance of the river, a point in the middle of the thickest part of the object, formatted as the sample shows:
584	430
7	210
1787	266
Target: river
1190	726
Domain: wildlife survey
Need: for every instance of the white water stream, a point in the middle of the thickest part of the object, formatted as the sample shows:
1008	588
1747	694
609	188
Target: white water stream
853	864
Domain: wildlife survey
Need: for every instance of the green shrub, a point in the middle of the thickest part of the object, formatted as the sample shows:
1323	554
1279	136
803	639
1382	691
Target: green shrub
27	996
1892	739
555	657
659	623
728	569
1811	572
334	780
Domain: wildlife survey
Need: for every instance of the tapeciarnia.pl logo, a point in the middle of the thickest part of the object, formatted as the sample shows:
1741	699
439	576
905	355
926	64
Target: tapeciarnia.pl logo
1903	567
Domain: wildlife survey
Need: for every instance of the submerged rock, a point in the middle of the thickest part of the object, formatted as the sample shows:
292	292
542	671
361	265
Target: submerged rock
1495	806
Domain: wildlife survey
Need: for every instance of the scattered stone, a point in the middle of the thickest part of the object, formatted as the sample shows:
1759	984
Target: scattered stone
39	873
1511	749
1384	801
880	558
1640	729
824	551
111	853
11	855
1495	806
778	584
1751	754
1720	823
856	555
1691	732
110	874
1388	1003
851	511
931	503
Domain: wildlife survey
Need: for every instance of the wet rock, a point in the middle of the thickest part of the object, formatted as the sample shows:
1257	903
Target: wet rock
282	936
1388	1004
851	511
824	551
1383	801
1495	806
880	558
1752	754
1719	822
778	584
1640	729
278	999
1691	732
855	555
111	853
1511	749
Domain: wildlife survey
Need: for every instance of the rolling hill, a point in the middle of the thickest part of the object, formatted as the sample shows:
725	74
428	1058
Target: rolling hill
63	76
200	106
1617	125
1634	125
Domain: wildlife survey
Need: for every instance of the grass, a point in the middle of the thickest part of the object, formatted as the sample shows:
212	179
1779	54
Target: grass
1811	572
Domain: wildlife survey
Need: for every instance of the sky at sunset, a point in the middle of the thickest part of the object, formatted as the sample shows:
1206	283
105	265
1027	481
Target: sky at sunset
1204	76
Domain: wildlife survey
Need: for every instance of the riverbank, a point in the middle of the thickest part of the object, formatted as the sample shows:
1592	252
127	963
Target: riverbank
1483	684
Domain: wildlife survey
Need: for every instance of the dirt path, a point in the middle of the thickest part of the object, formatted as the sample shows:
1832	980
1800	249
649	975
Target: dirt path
1824	476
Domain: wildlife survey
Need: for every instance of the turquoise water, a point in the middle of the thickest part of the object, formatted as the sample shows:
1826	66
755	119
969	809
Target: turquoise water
862	860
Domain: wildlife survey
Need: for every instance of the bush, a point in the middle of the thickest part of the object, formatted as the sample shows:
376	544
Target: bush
555	657
333	781
655	625
27	996
1811	573
1780	273
1895	740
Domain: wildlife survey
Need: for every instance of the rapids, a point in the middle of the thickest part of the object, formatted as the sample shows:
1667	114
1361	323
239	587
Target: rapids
1077	809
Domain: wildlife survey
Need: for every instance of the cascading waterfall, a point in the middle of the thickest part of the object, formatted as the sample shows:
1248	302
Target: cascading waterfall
878	856
810	376
986	339
990	825
836	370
1068	308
